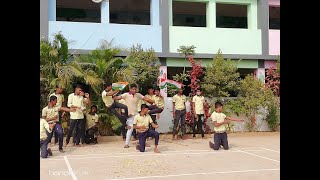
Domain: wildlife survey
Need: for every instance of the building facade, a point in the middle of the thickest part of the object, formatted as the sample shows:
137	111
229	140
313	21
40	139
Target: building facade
242	29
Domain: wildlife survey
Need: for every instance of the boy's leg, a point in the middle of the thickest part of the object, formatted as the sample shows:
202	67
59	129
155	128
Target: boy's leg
129	131
183	120
195	123
121	106
44	146
142	141
224	139
200	121
122	119
59	135
50	135
73	124
154	110
155	135
176	122
217	141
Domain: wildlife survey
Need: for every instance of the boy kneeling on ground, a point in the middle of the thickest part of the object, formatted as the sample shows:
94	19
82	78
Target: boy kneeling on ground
141	123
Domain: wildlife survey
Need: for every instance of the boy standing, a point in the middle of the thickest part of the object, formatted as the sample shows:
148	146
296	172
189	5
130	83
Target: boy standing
141	123
219	121
179	112
198	111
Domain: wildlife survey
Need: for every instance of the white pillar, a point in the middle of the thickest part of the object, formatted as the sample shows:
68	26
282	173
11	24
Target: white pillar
155	12
52	6
211	14
105	11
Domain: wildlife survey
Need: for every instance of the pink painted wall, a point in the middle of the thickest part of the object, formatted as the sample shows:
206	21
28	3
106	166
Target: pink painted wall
274	42
271	63
274	2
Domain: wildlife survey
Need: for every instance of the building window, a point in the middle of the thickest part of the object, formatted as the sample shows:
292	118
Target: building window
78	11
189	13
231	16
274	17
130	11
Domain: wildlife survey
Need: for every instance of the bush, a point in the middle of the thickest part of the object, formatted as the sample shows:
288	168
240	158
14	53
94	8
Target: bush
273	117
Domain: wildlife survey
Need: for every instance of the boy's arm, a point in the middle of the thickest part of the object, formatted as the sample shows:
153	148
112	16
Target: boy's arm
112	93
148	100
234	119
117	98
154	125
67	109
216	124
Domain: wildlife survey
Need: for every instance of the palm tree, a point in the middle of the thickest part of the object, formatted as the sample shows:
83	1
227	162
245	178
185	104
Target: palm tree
57	66
105	64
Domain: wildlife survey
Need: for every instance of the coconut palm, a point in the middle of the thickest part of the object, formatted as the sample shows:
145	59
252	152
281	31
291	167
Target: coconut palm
57	66
105	64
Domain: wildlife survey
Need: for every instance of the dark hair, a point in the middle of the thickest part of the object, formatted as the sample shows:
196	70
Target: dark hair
52	98
157	88
58	86
144	106
94	106
199	89
108	84
78	86
217	104
133	85
150	87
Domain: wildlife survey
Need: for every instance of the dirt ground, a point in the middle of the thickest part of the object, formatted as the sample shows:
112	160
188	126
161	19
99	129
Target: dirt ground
254	155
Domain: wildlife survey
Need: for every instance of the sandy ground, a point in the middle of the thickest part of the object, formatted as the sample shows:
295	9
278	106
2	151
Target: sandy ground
251	156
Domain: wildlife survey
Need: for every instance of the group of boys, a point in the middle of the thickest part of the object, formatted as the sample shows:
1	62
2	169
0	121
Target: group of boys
137	115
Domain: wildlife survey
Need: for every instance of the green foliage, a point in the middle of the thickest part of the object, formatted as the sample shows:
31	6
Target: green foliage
110	125
278	65
186	50
144	65
252	96
273	117
221	77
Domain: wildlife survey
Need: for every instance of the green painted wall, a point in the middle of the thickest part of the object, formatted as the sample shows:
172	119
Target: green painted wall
210	39
180	62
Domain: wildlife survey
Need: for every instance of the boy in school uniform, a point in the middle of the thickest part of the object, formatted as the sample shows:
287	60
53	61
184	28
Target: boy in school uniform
44	128
179	112
92	120
50	114
141	123
198	111
220	120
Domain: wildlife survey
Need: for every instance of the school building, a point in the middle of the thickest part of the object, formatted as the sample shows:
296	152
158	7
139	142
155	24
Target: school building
243	29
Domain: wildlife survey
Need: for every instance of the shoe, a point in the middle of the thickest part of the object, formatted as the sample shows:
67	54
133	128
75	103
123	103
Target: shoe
126	146
49	152
61	150
211	144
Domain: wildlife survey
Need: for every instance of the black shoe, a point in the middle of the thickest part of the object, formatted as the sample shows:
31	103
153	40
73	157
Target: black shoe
211	144
49	152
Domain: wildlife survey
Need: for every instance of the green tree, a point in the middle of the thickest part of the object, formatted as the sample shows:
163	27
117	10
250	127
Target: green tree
57	66
252	96
221	77
144	66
